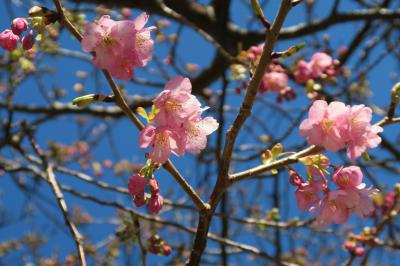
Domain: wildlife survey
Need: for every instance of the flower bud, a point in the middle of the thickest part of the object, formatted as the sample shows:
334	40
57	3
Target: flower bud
295	178
28	41
155	203
8	40
140	200
19	25
136	185
166	250
349	245
359	251
153	186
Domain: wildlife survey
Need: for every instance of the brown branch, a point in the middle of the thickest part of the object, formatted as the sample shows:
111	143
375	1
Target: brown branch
232	133
63	206
143	250
303	29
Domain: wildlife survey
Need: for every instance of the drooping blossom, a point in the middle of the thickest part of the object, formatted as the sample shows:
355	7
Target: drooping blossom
8	40
113	46
197	130
143	42
176	103
308	194
333	209
352	196
359	133
322	126
19	25
165	140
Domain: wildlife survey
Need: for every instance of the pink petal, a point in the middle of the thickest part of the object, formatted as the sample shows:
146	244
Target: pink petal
146	137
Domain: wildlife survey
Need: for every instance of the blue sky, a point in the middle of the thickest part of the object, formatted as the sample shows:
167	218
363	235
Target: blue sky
193	49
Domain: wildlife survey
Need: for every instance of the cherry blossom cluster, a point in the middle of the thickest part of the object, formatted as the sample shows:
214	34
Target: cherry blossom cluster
137	185
9	38
336	126
333	206
275	79
321	65
177	125
119	46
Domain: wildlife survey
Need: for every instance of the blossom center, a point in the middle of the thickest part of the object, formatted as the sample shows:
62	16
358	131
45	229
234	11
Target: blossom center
327	124
172	106
344	180
162	139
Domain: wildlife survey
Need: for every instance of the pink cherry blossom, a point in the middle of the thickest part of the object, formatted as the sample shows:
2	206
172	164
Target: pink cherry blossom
136	184
322	126
274	81
359	133
165	140
143	42
307	194
28	41
363	205
337	206
8	40
303	72
255	52
112	43
348	177
155	203
319	63
333	209
196	130
176	103
19	25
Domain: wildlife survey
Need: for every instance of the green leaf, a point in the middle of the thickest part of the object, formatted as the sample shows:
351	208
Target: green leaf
142	112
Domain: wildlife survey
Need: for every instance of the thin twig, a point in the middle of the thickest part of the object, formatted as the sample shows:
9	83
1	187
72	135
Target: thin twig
63	206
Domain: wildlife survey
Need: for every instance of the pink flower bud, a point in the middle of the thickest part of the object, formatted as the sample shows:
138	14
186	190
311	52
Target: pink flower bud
295	179
8	40
155	203
359	251
153	186
166	250
388	202
140	199
19	25
349	245
136	185
28	41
